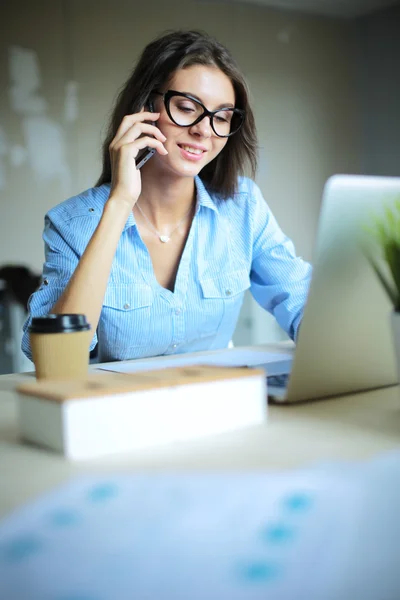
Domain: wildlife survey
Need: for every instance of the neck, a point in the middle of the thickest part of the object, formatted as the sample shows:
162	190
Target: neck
166	200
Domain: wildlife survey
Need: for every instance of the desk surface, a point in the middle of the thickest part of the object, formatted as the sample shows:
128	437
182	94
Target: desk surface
351	427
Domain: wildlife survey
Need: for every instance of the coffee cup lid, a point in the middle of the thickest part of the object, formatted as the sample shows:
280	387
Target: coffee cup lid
53	323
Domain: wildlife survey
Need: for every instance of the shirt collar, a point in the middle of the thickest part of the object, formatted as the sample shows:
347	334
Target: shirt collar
203	198
131	221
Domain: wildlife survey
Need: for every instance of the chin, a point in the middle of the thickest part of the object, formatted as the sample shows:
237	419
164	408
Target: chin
186	169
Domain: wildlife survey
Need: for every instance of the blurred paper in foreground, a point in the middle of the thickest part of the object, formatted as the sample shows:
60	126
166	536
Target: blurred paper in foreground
326	533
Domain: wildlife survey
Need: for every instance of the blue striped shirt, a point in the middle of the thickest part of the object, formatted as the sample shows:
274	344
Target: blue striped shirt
233	245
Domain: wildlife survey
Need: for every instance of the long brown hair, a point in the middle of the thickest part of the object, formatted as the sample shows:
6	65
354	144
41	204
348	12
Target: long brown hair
156	66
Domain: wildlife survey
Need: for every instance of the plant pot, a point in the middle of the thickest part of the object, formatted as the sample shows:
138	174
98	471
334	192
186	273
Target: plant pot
395	319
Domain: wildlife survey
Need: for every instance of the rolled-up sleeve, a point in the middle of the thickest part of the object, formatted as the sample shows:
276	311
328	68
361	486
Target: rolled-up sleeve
279	279
60	263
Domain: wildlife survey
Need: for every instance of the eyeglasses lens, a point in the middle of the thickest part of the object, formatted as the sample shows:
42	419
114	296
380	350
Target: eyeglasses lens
185	112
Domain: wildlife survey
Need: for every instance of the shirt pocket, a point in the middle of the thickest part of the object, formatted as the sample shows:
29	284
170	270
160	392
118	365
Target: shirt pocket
222	298
126	318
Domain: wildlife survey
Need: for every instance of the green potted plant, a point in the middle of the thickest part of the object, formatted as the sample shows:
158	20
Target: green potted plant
382	249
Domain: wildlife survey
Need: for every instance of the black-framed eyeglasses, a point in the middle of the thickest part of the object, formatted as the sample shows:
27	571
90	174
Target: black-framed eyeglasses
186	111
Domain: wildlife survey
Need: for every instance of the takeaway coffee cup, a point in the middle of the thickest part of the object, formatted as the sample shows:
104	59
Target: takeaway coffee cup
60	346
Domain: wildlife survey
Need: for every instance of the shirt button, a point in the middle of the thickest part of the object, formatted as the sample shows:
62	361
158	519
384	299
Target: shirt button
174	346
228	292
178	311
126	306
45	282
91	209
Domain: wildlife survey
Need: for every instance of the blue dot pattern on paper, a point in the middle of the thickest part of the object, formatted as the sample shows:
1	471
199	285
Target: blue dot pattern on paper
278	534
298	502
260	571
103	492
20	548
64	517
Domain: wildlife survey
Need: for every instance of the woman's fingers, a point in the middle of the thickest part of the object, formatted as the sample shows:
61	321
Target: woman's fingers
130	120
133	148
136	132
133	135
139	135
149	142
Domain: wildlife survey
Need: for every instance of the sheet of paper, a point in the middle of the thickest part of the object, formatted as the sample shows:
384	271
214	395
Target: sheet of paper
308	534
274	362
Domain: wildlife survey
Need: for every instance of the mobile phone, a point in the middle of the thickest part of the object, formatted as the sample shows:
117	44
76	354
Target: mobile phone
147	153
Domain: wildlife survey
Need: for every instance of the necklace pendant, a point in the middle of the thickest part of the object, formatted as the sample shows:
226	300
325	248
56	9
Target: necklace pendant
164	238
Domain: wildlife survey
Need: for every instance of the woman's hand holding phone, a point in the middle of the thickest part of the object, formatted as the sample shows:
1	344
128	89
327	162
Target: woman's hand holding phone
133	136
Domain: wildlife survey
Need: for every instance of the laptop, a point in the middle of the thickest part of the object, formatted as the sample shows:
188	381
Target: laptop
345	341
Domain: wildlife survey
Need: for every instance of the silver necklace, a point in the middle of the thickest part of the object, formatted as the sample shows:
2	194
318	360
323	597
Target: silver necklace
162	237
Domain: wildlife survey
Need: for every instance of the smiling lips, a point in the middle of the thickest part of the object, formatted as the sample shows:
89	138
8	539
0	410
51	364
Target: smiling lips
192	152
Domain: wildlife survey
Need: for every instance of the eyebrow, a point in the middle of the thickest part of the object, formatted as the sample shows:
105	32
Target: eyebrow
224	105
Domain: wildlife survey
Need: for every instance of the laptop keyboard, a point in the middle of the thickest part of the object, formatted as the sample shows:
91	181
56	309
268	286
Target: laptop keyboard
279	381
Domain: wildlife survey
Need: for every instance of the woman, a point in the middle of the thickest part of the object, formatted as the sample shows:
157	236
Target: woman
159	258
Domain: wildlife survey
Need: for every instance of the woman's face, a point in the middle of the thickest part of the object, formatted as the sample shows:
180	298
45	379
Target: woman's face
191	148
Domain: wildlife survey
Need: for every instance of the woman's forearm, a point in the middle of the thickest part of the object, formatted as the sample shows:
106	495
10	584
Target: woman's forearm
85	291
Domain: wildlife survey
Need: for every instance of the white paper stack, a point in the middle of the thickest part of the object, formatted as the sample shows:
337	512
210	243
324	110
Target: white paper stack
111	413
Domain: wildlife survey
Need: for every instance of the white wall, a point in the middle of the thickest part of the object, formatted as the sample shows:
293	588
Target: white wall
377	52
63	60
373	62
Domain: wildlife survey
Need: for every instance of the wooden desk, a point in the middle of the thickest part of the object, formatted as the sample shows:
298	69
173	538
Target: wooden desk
351	427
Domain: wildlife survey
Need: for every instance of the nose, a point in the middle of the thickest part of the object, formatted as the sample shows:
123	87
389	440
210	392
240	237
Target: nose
202	128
